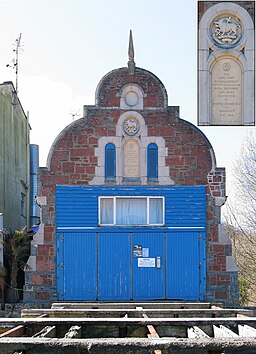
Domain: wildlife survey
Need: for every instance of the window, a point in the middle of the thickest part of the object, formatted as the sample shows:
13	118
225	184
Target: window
131	211
110	161
152	161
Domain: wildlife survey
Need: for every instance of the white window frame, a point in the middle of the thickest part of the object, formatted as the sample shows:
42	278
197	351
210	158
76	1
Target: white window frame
130	197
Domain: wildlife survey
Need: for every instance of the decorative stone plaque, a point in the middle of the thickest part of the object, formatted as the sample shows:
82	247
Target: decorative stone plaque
131	159
226	92
226	30
226	63
131	126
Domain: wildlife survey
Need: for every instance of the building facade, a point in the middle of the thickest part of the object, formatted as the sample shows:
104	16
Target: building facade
131	200
14	160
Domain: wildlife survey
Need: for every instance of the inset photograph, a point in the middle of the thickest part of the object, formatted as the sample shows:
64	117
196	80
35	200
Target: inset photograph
226	63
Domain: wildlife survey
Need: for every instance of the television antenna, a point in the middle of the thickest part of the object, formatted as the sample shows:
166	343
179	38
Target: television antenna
15	61
74	114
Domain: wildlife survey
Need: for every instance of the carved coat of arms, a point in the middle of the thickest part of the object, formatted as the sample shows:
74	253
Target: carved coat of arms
226	30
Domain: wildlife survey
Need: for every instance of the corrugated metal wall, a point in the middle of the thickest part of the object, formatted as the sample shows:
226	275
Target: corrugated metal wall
113	266
136	263
148	282
78	206
184	254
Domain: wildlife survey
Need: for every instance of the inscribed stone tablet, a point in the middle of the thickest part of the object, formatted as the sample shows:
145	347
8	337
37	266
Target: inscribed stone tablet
131	159
226	89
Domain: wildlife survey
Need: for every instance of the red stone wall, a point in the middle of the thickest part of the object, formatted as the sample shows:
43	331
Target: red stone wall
110	87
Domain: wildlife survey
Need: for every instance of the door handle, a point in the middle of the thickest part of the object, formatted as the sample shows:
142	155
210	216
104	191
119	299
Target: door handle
158	262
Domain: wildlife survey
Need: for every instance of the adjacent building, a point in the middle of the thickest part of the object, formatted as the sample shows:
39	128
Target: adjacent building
14	160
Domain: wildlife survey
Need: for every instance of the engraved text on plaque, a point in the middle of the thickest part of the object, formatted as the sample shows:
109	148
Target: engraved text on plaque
226	91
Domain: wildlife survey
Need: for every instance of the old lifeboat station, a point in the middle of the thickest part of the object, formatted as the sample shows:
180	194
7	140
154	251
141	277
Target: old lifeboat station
131	200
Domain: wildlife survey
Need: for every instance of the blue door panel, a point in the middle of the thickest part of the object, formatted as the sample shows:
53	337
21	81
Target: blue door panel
79	260
182	265
122	266
147	281
114	266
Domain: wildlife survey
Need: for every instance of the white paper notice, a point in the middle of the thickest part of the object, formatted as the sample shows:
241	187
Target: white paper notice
145	252
146	262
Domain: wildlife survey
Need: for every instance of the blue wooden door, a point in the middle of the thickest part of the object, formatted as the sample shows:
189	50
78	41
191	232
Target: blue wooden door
76	261
185	265
148	266
114	266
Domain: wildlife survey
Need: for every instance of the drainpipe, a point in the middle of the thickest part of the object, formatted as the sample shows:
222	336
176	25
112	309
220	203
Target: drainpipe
28	174
1	240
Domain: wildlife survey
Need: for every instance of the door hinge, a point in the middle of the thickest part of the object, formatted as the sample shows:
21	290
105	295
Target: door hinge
199	237
62	265
200	265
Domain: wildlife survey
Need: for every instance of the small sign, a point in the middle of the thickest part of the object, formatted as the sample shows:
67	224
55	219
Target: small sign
146	262
137	251
145	252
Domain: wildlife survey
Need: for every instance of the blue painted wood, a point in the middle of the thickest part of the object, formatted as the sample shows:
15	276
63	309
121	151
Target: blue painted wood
79	260
77	206
183	259
148	282
114	266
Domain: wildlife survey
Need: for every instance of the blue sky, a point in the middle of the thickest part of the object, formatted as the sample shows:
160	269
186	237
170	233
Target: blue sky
69	45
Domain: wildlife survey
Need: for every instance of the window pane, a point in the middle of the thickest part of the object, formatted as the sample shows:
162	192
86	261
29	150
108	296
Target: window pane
131	211
152	161
110	161
156	211
106	211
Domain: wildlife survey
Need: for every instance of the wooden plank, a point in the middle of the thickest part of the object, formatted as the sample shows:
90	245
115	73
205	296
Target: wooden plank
152	333
17	331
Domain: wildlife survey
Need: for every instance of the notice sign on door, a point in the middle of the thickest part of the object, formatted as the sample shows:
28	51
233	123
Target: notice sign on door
146	262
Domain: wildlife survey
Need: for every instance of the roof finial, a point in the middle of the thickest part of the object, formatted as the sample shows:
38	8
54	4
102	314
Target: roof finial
131	63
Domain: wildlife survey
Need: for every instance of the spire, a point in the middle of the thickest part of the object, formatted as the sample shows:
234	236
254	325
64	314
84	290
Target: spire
131	63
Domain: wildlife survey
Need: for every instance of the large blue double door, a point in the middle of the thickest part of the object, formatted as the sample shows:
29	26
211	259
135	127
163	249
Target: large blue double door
123	266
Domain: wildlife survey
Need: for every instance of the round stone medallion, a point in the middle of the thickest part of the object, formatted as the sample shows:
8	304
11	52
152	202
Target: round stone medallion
226	30
131	98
